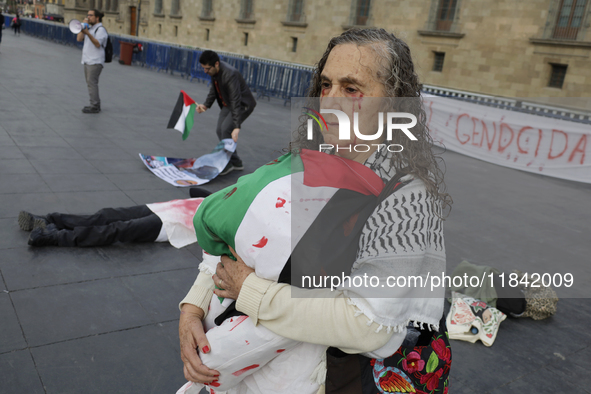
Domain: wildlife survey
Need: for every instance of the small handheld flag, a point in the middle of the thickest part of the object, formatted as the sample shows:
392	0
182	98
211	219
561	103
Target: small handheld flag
182	115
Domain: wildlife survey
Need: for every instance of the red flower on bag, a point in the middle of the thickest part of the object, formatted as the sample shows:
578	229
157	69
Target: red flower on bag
441	349
432	379
413	363
445	390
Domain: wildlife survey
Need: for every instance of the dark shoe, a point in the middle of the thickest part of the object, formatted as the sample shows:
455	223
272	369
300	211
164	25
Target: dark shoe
196	192
44	236
238	167
91	110
27	221
228	169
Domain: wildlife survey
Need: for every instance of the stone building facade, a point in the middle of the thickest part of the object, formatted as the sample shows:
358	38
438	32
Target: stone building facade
527	48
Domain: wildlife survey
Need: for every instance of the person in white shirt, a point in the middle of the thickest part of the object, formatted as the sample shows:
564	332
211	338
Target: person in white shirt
93	57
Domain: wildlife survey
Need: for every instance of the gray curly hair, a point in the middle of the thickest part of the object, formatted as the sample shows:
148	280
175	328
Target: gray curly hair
397	73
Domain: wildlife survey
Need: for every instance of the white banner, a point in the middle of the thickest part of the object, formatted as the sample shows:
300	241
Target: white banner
526	142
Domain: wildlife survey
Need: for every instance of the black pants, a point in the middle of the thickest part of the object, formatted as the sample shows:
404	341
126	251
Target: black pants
107	226
225	127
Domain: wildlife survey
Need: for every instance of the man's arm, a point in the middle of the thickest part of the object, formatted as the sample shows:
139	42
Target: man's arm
80	36
235	98
210	96
85	32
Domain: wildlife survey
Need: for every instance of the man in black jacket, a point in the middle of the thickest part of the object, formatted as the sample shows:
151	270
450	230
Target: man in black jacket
236	101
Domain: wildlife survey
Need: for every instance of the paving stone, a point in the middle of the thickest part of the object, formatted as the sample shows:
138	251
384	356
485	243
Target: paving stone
12	335
139	360
11	235
78	182
29	268
44	153
17	166
40	203
81	202
11	152
160	293
22	183
137	181
77	310
64	167
18	374
541	381
573	367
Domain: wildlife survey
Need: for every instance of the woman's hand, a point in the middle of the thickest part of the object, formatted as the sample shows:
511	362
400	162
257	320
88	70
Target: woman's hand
192	336
230	275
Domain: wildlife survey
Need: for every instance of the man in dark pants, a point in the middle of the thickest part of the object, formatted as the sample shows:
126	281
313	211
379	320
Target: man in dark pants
105	227
234	97
140	223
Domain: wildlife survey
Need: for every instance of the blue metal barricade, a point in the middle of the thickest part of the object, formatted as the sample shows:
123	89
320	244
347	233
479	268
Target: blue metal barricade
266	78
157	56
181	60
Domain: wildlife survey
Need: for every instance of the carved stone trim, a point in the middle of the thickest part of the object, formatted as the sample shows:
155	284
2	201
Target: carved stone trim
246	21
562	43
294	24
437	33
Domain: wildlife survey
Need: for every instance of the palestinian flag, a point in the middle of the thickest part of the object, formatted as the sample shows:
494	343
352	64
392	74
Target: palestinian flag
182	115
266	213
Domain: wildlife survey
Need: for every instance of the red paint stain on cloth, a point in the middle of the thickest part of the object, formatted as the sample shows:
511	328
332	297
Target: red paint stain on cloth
183	210
238	321
240	372
280	202
262	242
230	193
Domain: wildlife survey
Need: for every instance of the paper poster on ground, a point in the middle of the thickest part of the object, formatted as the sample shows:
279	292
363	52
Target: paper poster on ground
193	171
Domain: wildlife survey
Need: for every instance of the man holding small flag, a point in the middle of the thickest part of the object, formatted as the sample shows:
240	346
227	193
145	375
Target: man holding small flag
234	97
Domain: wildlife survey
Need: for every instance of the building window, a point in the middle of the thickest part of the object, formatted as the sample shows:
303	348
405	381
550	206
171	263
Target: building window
159	28
158	7
569	19
446	12
294	44
99	5
115	5
206	34
175	9
295	11
360	12
245	39
438	62
176	31
246	8
207	9
557	75
443	15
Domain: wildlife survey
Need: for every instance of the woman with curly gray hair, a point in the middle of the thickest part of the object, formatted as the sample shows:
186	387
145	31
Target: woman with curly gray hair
354	337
